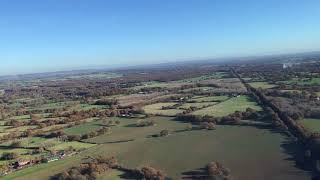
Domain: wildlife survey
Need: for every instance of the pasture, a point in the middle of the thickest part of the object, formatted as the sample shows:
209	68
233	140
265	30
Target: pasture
228	107
92	124
156	109
303	81
156	84
197	105
311	124
262	84
209	98
74	144
215	75
232	146
127	130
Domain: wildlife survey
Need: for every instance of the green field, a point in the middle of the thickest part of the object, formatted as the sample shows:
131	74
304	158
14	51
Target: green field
198	105
263	85
306	81
22	117
156	109
76	145
154	84
291	90
209	98
311	124
203	89
45	170
215	75
230	145
228	107
84	128
1	92
128	131
90	106
20	129
54	105
35	142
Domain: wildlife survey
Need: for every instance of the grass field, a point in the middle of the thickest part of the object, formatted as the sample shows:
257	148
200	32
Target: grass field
154	84
49	106
202	89
311	124
22	117
215	75
306	81
128	131
198	105
209	98
228	107
291	90
318	94
156	109
20	129
76	145
35	142
84	128
1	92
89	106
263	85
230	145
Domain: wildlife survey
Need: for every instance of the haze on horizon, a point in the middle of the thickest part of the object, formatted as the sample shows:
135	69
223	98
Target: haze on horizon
39	36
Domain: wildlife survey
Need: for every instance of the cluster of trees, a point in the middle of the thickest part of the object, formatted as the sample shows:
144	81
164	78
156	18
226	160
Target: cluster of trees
109	102
98	132
145	122
208	125
9	156
216	171
164	133
109	123
279	116
69	118
150	173
87	171
297	105
99	165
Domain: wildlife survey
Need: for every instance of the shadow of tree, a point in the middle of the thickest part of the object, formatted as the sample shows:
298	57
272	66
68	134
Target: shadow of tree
198	174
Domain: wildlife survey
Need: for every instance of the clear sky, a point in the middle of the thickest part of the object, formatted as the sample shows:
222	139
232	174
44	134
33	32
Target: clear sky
50	35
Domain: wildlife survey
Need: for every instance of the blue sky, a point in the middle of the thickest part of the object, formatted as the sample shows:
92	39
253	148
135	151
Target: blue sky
51	35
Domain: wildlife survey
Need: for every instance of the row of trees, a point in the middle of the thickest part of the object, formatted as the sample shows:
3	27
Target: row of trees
100	165
234	118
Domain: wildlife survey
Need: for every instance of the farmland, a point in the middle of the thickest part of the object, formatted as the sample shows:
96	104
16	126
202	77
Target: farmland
305	81
229	106
208	145
312	124
128	131
176	121
263	85
157	109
